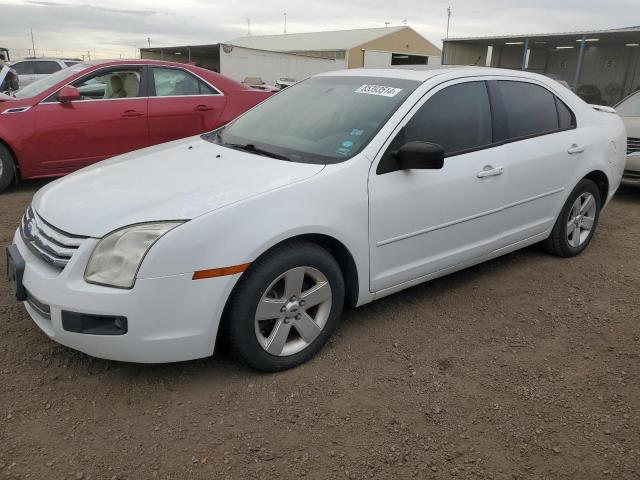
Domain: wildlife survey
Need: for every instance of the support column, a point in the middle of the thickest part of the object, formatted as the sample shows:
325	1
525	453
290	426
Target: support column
524	54
580	60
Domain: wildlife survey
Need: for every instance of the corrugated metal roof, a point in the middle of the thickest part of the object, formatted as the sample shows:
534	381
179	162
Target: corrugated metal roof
557	34
332	40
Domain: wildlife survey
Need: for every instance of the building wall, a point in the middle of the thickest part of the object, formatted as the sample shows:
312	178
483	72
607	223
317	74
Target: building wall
403	41
613	71
206	61
466	54
376	59
270	66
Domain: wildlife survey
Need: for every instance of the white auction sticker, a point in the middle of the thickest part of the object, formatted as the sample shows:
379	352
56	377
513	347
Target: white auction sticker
378	90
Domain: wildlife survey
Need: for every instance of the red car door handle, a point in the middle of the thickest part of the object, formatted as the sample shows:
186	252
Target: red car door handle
203	108
132	113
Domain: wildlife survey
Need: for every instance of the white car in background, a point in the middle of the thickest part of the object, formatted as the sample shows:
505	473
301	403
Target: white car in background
31	69
340	190
629	110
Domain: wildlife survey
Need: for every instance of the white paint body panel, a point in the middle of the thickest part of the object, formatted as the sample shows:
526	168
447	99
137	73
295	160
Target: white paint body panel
400	228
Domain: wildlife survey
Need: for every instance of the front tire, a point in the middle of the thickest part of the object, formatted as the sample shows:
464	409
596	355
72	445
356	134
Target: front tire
7	168
285	307
577	221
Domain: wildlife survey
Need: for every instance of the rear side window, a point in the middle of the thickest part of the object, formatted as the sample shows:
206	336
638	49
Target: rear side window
24	68
532	110
46	67
171	82
566	118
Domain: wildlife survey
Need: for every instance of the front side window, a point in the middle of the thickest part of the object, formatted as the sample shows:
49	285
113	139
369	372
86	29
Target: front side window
322	120
45	67
458	118
529	109
630	107
24	68
171	82
110	84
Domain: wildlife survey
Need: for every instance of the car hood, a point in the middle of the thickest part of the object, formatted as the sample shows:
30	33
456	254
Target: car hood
175	181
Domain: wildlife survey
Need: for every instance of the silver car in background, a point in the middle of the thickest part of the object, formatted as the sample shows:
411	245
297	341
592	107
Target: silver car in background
629	110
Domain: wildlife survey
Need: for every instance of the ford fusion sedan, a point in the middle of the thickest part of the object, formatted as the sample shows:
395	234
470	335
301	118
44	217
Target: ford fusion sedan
88	112
340	190
629	110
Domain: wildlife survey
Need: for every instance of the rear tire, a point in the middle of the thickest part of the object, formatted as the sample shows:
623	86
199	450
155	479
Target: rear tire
285	307
577	221
7	168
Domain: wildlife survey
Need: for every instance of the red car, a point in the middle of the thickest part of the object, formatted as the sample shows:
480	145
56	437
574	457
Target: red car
89	112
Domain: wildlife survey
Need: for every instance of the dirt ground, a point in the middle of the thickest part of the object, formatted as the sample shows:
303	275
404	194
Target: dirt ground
525	367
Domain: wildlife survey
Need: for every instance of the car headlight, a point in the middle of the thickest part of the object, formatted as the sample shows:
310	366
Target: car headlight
117	257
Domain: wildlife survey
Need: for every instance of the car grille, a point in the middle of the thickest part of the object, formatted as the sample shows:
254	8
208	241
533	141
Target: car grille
46	241
633	145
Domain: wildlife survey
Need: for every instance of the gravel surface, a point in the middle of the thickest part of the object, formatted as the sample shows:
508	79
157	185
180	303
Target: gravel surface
523	367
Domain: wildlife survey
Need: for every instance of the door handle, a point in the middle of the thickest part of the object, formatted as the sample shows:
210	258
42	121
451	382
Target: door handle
575	148
490	171
203	108
132	113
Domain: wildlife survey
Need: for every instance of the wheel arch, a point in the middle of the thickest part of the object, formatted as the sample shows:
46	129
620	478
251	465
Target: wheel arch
16	164
602	182
337	249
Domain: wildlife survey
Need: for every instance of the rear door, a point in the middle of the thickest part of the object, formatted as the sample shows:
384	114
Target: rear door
541	149
110	119
181	104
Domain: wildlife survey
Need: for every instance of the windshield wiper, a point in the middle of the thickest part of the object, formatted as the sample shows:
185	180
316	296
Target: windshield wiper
250	147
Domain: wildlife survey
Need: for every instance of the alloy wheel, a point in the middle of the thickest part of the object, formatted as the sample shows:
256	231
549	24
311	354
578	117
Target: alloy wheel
581	219
293	311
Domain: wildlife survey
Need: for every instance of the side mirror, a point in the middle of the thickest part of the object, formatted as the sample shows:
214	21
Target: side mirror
69	94
420	155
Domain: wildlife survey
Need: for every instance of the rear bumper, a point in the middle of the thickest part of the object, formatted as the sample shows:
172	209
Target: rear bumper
169	318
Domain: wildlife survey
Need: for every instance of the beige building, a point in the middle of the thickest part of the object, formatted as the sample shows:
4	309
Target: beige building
403	45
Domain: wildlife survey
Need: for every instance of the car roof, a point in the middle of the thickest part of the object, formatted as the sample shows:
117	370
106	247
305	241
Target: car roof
430	72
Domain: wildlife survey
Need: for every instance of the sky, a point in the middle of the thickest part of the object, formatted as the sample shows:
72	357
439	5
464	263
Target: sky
118	27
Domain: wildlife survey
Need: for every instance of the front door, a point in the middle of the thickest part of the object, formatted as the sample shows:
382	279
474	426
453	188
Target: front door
425	221
110	119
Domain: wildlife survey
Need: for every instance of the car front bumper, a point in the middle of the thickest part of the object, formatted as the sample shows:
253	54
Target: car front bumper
169	319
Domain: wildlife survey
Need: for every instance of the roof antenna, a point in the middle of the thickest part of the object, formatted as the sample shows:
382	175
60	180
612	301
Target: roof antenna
448	19
285	22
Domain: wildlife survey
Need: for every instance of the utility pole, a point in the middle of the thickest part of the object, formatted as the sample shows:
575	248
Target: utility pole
33	44
386	24
89	54
149	41
248	26
448	20
285	22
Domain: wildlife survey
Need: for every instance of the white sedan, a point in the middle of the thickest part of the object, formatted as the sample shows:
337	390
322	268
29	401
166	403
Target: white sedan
339	190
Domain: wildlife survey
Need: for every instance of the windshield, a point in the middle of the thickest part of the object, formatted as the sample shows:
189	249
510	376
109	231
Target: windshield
629	107
321	120
45	83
